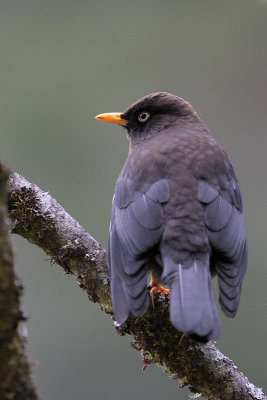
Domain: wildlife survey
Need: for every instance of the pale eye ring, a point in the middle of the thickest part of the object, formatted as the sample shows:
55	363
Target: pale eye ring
143	116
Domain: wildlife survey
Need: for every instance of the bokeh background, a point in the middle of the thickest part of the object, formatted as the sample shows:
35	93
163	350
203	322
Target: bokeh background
63	62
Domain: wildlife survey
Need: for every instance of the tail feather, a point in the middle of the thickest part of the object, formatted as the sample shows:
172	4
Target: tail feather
192	309
216	331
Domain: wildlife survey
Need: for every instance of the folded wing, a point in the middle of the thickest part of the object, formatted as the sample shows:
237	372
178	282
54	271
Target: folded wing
136	227
226	230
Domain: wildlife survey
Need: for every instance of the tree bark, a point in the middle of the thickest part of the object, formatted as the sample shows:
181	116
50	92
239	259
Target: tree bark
40	219
15	379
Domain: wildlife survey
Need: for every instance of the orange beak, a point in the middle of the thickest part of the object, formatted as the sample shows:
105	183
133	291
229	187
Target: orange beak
113	118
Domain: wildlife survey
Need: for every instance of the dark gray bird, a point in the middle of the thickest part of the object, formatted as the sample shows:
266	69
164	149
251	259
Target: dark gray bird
177	211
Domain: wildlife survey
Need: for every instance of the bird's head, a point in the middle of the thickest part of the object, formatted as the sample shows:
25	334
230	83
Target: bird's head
152	114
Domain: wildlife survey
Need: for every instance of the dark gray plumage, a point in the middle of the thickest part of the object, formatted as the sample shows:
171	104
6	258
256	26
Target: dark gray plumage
177	209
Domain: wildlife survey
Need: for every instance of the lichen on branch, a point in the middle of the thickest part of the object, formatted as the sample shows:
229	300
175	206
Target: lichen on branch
40	219
15	373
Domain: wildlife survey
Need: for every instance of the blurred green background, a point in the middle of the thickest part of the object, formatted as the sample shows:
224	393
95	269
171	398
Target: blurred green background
63	62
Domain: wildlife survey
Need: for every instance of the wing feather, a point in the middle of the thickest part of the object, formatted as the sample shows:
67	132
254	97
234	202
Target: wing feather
136	227
226	231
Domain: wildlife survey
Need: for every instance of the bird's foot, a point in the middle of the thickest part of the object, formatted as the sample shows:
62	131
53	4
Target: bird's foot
156	288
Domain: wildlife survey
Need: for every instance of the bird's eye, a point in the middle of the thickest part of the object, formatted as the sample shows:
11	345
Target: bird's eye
143	116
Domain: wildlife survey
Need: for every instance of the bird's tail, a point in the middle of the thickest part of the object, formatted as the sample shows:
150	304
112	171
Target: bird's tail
192	305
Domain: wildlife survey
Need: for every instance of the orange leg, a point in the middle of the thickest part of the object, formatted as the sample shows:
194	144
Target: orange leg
156	288
181	339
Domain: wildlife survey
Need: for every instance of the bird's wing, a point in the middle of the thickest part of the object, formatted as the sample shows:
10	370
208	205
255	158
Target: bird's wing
136	227
226	230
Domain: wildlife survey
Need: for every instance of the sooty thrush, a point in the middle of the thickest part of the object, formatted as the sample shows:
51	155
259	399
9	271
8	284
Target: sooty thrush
177	211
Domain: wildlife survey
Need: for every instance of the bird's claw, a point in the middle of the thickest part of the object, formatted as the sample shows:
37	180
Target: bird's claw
156	288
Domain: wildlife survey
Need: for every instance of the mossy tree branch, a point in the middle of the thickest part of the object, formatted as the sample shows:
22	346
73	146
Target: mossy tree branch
40	219
15	379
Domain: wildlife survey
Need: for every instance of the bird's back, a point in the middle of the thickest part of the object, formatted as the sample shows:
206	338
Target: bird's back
178	204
